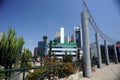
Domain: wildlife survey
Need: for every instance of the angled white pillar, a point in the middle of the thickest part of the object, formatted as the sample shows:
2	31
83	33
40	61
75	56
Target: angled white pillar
86	45
98	50
115	52
106	53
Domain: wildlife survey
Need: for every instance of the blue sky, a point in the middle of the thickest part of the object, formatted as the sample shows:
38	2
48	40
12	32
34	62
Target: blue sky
33	19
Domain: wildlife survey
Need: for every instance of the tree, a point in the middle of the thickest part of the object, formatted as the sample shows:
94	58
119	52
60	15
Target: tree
19	46
3	50
54	57
55	42
25	57
10	47
67	57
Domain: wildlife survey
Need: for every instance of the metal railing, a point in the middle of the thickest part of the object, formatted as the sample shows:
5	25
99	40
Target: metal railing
23	70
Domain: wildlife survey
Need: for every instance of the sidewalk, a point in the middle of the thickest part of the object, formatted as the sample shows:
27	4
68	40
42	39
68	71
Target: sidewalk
111	72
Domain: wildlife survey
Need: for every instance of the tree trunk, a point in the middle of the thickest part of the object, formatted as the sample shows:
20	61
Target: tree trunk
6	74
10	67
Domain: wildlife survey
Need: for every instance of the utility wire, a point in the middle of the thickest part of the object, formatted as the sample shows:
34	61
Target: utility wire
94	25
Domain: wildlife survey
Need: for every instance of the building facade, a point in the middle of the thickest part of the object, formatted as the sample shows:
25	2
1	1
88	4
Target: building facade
42	47
61	35
35	51
77	36
63	44
57	37
72	45
60	49
66	39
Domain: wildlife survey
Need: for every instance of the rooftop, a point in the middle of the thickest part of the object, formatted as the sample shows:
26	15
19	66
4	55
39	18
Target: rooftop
71	44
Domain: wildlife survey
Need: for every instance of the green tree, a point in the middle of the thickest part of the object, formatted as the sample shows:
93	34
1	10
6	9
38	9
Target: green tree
19	46
54	57
25	57
3	52
9	47
67	57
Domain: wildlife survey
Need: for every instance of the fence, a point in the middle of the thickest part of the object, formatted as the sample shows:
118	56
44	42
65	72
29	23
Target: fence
20	71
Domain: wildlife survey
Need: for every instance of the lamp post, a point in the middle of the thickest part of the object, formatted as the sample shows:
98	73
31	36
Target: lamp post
50	49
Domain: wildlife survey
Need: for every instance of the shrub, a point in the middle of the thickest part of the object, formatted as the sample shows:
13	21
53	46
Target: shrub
66	70
37	73
28	64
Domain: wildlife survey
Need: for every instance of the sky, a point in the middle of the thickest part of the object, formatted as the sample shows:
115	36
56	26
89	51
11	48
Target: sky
32	19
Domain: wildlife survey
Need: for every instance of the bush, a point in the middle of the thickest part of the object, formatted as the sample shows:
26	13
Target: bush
28	64
37	73
60	71
66	70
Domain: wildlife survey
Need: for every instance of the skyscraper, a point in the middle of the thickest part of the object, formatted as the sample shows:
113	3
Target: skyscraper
66	39
57	37
61	35
74	33
36	51
77	36
41	48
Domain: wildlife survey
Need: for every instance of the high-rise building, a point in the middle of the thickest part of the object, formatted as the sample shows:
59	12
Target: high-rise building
68	44
77	36
71	38
74	33
57	37
61	35
41	48
66	39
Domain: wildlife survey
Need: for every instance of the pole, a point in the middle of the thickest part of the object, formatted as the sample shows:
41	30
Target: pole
78	56
115	52
23	75
98	50
50	49
86	46
106	53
